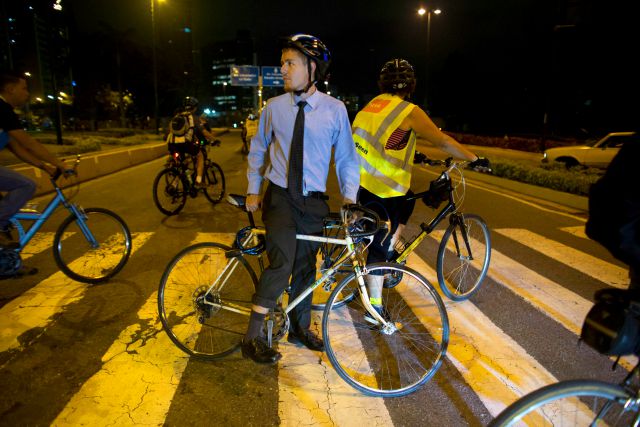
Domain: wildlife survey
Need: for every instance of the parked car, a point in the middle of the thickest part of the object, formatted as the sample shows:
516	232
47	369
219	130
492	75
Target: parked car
597	153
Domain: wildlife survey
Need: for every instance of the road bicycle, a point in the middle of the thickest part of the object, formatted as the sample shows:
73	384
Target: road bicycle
177	180
204	302
577	403
91	245
464	252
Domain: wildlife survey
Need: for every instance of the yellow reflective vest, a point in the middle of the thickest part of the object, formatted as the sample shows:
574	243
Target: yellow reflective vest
384	172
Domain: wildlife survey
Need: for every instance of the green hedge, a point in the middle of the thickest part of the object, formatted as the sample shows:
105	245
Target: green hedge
556	177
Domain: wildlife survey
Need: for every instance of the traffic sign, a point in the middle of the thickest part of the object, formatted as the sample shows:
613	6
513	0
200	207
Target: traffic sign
244	75
271	76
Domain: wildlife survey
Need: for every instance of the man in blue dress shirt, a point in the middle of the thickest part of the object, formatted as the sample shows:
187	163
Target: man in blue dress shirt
292	204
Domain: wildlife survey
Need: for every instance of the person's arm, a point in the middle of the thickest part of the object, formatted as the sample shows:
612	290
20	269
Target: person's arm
31	151
422	124
346	159
256	161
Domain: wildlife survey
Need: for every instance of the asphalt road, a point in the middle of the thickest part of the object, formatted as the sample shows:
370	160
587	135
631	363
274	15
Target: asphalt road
73	354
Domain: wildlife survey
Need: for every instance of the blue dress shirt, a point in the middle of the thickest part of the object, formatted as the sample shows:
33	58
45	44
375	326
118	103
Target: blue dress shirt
326	127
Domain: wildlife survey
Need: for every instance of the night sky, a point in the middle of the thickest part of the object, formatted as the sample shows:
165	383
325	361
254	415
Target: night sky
491	60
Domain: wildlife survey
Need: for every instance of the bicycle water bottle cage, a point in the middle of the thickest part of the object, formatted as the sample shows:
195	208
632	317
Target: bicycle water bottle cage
439	191
248	244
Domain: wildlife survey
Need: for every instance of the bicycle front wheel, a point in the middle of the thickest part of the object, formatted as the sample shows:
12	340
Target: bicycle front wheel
204	300
169	191
92	248
463	257
214	178
391	360
571	403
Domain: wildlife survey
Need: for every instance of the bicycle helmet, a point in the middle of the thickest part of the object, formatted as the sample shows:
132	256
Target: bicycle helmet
397	75
313	48
190	103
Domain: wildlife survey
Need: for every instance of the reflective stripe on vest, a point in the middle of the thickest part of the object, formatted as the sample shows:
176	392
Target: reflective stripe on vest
386	173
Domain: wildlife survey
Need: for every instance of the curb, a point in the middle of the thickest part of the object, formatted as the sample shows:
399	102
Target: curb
96	165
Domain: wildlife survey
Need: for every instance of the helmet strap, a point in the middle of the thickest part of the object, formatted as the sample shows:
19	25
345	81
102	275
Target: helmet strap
310	83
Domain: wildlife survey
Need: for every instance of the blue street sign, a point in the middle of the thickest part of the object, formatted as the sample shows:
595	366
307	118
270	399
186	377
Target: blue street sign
271	76
244	75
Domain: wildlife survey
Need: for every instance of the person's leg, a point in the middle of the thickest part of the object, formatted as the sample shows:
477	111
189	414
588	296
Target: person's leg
304	266
280	243
199	166
19	190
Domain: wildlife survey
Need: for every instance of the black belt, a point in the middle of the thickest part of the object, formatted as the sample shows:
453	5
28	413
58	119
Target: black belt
311	194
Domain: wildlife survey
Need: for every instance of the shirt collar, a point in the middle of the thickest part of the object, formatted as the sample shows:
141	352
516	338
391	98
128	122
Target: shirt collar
312	100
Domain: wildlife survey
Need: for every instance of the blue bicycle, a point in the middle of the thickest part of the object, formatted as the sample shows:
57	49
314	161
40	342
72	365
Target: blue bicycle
91	245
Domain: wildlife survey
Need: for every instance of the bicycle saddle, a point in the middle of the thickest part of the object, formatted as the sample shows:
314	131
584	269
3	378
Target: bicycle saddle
237	200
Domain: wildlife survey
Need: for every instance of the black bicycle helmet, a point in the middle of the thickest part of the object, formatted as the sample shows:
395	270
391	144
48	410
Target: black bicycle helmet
313	48
190	103
396	76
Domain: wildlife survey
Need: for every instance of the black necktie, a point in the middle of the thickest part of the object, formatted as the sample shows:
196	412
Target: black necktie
294	178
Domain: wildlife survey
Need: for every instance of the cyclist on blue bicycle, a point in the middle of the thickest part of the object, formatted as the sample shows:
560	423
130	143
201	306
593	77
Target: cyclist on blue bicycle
19	189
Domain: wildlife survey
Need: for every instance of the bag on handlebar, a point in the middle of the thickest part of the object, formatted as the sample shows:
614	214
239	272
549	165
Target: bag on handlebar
439	190
612	326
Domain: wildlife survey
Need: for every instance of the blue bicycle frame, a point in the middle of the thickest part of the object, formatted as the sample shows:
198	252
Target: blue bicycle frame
41	218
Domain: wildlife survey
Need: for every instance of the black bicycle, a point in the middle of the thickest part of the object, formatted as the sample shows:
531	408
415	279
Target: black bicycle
178	180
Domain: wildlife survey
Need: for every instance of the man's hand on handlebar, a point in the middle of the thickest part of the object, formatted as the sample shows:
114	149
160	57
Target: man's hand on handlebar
481	164
253	202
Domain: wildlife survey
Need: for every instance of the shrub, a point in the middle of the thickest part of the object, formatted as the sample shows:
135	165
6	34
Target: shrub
575	180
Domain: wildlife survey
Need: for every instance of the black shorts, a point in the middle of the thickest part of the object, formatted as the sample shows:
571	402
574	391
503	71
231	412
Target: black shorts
395	209
184	148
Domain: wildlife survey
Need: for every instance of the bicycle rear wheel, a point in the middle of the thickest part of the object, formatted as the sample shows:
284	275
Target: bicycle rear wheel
461	268
381	362
214	178
169	191
204	300
83	261
571	403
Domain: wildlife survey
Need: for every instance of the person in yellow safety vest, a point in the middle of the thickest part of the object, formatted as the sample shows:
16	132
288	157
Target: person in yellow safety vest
384	132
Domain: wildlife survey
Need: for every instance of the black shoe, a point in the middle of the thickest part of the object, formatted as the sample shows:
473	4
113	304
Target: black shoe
306	338
381	311
258	351
26	270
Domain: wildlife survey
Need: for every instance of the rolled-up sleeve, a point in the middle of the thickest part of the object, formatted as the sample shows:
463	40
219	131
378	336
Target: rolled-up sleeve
346	158
258	153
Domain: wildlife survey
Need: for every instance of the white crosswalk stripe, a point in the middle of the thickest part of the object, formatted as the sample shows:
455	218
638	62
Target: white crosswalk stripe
590	265
37	306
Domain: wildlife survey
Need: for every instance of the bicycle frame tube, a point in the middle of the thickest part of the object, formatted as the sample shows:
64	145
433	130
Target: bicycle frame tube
426	229
39	218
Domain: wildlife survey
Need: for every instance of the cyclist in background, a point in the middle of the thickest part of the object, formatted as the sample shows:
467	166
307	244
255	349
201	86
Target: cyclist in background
188	136
384	133
13	94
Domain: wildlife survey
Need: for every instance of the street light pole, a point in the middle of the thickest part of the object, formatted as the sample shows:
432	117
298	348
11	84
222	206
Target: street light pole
421	12
155	67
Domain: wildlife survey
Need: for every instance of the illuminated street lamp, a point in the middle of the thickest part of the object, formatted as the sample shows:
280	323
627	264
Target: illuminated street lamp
155	65
422	11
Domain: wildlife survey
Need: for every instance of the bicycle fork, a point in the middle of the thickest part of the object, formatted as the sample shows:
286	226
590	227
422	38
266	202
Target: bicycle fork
81	220
458	219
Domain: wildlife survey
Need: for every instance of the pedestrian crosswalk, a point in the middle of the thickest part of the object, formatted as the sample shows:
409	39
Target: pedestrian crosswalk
142	369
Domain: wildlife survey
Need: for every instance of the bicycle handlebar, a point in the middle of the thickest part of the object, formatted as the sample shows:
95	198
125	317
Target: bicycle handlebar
357	224
67	172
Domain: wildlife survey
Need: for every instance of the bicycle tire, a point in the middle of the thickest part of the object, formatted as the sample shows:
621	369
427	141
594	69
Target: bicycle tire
169	191
459	276
360	351
200	330
78	259
215	185
588	398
